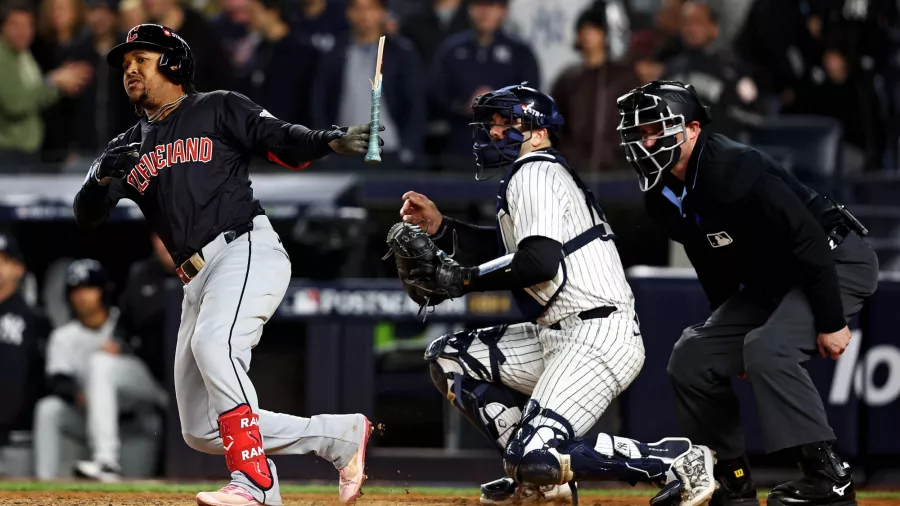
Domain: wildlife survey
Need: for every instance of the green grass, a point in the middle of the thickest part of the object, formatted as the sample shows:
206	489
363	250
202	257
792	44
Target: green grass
189	488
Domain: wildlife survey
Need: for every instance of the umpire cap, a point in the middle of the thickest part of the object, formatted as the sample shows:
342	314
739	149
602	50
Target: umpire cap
10	248
177	60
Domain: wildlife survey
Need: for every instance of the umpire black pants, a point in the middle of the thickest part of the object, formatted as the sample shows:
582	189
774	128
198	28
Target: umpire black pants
768	341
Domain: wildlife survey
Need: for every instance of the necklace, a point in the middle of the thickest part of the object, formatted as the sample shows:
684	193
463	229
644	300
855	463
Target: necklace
168	107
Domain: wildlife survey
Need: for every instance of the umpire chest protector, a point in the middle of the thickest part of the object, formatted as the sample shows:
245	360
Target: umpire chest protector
532	302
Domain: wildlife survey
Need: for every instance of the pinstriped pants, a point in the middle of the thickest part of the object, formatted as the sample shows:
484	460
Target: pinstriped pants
575	371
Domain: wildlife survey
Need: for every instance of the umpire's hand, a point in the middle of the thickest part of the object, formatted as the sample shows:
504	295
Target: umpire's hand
835	343
352	140
419	210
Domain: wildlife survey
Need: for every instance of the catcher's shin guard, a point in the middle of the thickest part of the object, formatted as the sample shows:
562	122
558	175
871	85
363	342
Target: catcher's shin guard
243	446
490	406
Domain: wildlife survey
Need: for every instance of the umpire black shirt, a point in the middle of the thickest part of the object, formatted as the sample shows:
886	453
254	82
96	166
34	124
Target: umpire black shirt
746	223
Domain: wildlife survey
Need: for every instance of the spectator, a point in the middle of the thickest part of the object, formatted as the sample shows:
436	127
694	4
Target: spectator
840	88
25	92
60	37
343	94
23	337
211	70
428	27
652	47
322	20
139	335
131	13
720	78
233	27
474	62
102	111
586	95
91	381
282	67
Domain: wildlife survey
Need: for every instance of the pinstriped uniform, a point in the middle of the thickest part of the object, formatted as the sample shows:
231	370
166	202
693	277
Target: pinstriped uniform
577	370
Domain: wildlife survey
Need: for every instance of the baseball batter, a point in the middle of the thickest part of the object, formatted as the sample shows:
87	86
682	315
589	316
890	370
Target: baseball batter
185	164
534	389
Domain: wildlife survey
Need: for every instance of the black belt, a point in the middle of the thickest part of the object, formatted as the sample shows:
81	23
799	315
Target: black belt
189	269
590	314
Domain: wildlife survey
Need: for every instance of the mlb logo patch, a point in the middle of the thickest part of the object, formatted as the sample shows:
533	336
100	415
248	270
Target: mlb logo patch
719	239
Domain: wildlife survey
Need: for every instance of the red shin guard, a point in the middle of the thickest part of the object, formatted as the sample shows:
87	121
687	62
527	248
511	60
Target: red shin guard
243	445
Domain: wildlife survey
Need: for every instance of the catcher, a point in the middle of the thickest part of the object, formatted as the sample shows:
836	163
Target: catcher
534	389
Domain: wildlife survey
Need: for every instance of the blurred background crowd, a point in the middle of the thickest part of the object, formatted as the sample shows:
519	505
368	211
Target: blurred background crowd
309	61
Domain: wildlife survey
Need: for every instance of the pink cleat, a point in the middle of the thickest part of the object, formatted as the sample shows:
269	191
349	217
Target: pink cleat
354	474
231	495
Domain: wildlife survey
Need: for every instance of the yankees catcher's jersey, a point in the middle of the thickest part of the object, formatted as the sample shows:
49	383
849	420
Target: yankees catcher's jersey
542	196
192	182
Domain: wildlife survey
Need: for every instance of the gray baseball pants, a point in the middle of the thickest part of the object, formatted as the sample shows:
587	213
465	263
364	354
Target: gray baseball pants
769	341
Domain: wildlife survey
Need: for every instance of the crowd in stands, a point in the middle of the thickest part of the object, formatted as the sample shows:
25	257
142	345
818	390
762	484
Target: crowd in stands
310	61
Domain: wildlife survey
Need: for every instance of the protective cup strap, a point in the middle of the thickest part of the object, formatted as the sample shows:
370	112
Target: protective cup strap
243	446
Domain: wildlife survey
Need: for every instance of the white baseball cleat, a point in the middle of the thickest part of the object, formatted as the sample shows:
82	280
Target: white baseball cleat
229	495
505	491
695	470
101	472
353	474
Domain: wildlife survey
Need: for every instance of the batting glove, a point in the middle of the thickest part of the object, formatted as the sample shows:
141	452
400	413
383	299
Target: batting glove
352	140
116	163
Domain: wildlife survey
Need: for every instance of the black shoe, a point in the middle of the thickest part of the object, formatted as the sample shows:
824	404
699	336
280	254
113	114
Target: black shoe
736	486
826	480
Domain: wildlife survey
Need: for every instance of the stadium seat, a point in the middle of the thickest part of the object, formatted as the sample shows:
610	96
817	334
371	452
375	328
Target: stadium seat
815	141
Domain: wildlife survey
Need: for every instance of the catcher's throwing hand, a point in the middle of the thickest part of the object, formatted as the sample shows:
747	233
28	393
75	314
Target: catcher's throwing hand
419	210
352	140
115	163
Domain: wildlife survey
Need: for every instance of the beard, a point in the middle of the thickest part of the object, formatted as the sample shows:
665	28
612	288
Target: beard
139	101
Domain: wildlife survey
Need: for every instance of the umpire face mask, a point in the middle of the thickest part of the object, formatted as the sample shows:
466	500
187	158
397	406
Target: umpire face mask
649	132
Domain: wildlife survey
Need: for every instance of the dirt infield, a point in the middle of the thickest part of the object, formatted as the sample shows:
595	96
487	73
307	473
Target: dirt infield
169	499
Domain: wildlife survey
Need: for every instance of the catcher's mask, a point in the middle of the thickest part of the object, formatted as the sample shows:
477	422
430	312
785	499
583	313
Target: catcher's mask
651	119
517	109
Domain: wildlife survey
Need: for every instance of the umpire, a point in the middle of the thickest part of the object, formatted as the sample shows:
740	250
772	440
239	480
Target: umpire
784	269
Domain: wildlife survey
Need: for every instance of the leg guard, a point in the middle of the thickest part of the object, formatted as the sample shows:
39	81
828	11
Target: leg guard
531	456
491	407
243	446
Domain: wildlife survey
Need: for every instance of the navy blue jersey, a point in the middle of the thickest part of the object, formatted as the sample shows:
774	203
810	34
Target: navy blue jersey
192	181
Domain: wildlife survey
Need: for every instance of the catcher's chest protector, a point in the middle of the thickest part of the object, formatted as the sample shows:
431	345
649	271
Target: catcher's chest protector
532	304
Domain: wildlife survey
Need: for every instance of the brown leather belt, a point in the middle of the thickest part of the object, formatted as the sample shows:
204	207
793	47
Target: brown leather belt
190	268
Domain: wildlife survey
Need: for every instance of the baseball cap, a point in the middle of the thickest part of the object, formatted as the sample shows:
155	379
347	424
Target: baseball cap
10	247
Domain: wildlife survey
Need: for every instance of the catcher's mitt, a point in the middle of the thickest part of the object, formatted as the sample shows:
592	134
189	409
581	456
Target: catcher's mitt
417	259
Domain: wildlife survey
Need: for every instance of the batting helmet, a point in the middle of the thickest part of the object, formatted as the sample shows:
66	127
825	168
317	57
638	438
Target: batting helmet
89	272
671	103
513	103
177	60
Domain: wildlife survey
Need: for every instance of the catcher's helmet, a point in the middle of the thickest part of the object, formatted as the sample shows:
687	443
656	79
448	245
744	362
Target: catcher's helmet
89	272
518	102
177	60
671	103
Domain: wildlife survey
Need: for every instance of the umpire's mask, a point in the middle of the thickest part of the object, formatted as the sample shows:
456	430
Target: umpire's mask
651	119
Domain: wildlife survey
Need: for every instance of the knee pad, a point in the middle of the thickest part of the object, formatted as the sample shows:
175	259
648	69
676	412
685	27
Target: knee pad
468	385
455	348
243	446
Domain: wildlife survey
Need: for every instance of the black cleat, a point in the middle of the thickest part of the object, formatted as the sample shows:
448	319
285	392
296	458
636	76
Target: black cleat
736	486
826	480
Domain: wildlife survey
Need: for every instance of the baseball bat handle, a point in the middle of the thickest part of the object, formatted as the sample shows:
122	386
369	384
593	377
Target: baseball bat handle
374	153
